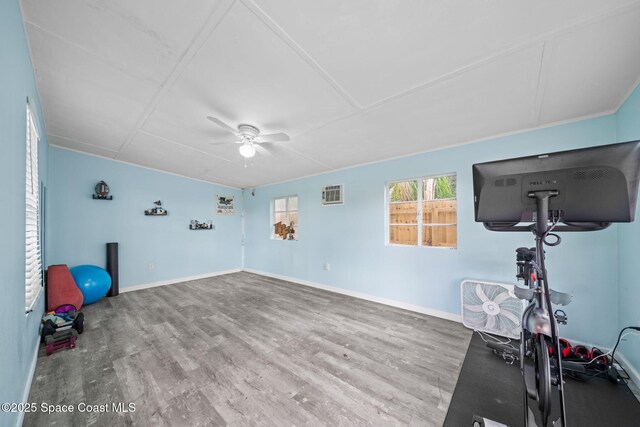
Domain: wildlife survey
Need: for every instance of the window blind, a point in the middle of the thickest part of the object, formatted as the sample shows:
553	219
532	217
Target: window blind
33	269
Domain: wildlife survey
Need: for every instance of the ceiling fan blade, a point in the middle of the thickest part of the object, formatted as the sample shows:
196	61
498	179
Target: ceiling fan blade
274	137
223	125
262	150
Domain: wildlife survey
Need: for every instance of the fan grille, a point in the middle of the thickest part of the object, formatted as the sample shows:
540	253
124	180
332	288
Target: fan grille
491	307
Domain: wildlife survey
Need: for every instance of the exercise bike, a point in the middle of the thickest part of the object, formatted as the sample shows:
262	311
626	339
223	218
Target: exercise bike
577	190
541	368
540	347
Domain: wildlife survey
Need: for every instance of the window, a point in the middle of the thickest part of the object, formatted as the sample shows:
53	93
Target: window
285	211
33	272
423	212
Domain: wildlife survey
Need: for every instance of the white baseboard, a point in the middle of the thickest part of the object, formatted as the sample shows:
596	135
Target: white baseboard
27	388
178	280
631	370
385	301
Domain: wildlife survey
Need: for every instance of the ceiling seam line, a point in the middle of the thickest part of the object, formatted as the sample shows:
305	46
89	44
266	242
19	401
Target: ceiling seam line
214	20
144	167
459	144
307	157
92	54
170	141
300	52
593	18
548	48
81	142
547	36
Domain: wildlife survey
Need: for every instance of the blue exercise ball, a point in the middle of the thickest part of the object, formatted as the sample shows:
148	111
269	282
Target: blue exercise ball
94	282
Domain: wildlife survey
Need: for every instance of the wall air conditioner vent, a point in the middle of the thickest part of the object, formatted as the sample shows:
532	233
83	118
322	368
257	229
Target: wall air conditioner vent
332	195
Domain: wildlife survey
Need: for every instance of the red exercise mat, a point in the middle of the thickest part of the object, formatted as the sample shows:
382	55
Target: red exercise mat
62	289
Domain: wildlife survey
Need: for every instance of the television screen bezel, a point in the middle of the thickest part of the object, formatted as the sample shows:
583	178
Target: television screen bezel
621	157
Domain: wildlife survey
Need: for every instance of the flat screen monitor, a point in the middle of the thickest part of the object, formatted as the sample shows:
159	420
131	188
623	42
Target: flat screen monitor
594	185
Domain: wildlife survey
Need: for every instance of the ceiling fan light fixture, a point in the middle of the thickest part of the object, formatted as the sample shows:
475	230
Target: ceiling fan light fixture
247	150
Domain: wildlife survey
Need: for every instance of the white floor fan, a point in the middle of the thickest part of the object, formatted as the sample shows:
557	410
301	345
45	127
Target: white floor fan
491	307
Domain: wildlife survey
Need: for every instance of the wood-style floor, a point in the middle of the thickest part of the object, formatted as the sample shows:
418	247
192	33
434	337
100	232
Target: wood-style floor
243	349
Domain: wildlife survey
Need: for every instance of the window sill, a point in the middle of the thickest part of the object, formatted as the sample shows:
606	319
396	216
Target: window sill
397	245
27	312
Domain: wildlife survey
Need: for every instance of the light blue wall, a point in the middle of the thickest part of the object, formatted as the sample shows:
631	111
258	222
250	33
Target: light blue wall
82	226
351	237
628	129
19	332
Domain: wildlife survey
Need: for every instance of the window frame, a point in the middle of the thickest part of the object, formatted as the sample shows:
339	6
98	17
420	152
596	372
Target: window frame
419	214
273	212
387	203
33	238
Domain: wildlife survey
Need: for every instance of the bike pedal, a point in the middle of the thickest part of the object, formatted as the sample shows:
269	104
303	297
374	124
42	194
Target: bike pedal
561	317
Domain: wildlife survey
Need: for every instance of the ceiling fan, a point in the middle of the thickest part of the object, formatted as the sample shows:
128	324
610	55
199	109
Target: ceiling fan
249	137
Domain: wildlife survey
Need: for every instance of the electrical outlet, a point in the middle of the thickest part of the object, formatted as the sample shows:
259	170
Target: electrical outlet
327	266
152	266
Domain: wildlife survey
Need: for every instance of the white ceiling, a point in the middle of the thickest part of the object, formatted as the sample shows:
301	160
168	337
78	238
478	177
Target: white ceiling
351	81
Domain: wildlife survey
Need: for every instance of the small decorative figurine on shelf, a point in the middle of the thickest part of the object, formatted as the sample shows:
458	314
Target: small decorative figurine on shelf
157	210
102	192
196	225
291	231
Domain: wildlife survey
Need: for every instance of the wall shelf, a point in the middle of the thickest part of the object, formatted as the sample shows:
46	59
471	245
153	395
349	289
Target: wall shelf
157	210
102	191
196	225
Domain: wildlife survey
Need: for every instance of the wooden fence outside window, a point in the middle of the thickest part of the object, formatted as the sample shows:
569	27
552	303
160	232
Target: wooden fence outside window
439	226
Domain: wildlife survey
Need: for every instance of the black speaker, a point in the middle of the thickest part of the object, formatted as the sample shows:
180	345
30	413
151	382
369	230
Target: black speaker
112	269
